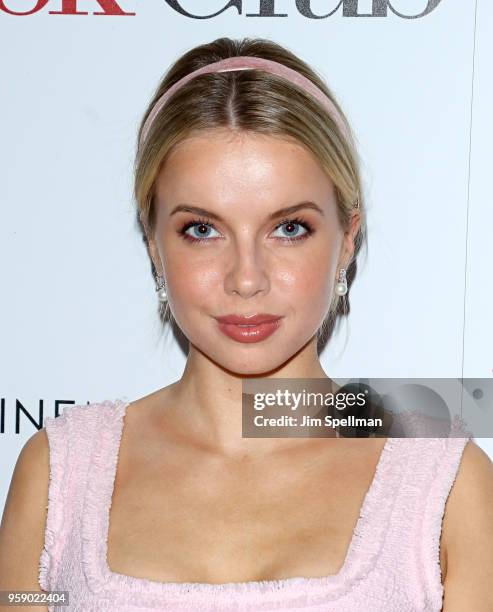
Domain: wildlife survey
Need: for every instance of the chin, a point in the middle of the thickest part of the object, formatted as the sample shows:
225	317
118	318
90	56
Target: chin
257	358
249	366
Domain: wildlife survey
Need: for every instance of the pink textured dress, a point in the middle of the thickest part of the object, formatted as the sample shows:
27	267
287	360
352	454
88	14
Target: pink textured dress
392	563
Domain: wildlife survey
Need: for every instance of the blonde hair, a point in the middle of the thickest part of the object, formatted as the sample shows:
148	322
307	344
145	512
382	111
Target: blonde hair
257	102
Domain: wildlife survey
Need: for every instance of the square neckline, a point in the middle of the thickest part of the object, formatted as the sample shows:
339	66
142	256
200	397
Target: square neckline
367	538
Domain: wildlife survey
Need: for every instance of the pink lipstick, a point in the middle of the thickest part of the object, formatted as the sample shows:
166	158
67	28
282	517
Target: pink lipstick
253	328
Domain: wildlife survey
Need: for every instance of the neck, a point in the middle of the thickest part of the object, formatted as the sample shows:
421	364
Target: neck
207	402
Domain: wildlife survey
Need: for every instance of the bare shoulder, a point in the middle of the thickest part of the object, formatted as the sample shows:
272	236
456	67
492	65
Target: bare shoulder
24	516
468	533
471	495
473	484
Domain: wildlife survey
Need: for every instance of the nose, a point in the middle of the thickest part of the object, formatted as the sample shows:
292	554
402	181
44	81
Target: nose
247	274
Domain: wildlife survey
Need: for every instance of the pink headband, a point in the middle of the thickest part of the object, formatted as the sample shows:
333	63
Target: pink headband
248	63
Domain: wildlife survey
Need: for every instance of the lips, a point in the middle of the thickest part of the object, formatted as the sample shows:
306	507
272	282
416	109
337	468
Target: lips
249	328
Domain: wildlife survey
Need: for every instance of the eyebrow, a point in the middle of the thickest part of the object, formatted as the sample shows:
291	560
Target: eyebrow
288	210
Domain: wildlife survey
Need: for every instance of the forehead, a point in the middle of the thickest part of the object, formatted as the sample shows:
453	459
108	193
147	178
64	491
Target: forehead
223	166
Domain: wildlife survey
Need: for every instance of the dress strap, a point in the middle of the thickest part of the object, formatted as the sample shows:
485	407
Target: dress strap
442	476
72	436
98	493
58	432
413	555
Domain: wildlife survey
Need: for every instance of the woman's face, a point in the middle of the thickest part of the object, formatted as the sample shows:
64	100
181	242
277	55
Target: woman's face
225	246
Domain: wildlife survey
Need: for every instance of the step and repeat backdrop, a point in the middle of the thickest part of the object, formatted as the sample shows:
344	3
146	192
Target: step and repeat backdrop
79	316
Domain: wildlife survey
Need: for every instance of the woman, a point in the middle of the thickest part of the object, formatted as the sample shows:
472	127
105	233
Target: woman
249	197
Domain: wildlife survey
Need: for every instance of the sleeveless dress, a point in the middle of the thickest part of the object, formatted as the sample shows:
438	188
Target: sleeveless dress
392	563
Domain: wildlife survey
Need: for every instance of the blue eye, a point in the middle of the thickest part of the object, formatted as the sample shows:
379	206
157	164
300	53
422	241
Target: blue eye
200	231
290	230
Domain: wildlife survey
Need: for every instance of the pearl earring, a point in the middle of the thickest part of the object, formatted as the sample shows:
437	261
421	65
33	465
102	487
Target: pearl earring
341	287
161	288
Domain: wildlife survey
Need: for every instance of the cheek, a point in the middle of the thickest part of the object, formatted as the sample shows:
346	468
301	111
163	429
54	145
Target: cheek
193	282
306	281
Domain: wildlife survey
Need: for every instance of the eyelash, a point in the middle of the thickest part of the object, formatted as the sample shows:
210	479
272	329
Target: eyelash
296	221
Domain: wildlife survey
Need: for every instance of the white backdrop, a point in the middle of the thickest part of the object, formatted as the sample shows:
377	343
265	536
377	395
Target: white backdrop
78	308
